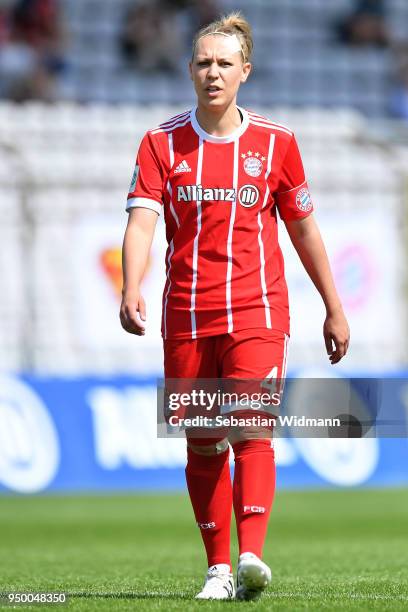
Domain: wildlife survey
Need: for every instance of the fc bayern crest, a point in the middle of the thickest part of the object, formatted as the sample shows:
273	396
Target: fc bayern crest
253	165
303	200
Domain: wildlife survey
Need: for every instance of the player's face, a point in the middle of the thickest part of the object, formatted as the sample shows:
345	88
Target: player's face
217	71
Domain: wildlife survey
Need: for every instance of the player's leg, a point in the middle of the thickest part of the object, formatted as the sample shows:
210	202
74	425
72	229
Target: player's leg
210	489
209	485
207	471
257	355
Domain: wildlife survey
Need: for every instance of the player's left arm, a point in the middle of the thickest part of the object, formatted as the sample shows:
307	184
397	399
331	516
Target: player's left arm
305	236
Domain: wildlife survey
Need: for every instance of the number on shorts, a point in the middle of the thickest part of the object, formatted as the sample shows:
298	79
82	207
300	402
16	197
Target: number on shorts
270	382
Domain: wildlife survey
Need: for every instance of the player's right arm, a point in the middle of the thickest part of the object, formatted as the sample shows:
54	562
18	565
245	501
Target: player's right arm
136	248
144	205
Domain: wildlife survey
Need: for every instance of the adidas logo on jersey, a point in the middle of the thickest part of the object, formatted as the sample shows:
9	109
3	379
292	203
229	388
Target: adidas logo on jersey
182	167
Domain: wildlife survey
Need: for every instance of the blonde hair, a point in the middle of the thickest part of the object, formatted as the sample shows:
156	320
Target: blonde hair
233	23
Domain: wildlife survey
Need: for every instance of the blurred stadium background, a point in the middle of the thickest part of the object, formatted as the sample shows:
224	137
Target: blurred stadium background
80	83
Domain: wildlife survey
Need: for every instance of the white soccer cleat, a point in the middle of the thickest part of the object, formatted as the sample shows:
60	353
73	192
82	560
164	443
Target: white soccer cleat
253	576
219	583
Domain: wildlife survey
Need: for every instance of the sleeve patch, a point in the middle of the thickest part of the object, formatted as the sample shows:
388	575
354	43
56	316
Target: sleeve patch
134	179
303	200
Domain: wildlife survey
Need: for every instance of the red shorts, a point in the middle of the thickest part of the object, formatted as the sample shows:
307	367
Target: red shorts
250	353
250	362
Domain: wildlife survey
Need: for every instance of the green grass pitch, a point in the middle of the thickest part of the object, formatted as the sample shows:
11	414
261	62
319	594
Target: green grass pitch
329	550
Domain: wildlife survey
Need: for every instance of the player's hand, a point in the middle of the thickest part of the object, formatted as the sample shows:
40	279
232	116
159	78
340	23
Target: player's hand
336	334
133	313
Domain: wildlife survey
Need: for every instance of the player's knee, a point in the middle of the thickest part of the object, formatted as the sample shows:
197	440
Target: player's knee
210	446
248	433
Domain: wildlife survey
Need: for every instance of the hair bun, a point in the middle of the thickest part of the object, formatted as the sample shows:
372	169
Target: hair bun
233	23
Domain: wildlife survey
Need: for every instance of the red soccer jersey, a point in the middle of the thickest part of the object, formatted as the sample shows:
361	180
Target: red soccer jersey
220	195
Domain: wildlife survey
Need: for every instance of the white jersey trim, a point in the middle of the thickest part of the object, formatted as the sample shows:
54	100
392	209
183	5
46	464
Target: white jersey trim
220	139
195	245
144	203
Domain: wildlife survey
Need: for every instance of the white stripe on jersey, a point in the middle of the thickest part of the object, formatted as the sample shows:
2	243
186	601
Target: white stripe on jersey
271	126
263	119
269	166
285	359
174	119
171	158
261	246
170	122
263	281
182	123
195	247
171	246
171	251
293	188
229	241
284	364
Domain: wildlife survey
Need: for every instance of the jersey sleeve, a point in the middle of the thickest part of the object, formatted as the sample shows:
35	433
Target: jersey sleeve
146	188
292	195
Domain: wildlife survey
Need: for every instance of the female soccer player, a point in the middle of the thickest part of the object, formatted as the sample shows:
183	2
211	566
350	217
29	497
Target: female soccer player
220	174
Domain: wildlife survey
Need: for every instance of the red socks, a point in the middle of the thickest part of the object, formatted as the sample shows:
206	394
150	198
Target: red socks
209	485
254	488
